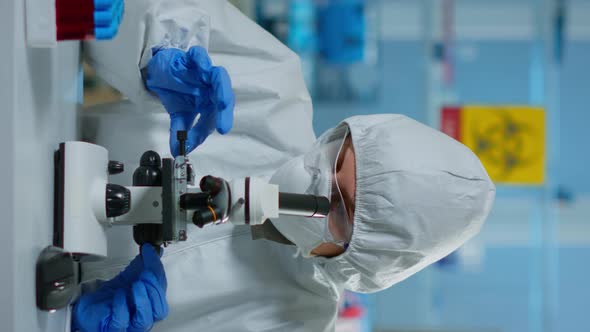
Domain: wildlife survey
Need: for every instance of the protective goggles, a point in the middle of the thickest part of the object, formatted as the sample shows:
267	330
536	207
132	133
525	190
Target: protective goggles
339	223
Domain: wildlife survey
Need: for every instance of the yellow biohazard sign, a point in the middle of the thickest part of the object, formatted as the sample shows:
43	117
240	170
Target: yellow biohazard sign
509	140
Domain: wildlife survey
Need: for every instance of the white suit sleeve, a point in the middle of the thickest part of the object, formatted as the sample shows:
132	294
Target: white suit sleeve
273	106
273	112
146	24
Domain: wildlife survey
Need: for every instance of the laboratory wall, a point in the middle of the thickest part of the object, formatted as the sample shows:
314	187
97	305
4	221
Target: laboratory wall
402	80
493	60
40	89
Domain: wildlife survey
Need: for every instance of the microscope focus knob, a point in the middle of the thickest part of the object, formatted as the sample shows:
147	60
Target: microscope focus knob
148	174
118	200
116	167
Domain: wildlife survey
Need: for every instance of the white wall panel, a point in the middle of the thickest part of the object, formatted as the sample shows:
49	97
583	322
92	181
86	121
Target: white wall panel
39	89
478	19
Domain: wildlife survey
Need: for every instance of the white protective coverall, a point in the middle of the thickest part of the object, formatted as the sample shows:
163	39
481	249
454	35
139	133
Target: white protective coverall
221	279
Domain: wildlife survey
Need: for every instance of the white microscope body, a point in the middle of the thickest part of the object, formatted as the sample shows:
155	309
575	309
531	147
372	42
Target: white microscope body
88	204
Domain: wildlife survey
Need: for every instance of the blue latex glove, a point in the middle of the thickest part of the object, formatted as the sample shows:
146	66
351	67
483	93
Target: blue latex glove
188	84
132	301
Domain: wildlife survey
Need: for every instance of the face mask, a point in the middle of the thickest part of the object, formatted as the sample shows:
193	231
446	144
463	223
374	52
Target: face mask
314	173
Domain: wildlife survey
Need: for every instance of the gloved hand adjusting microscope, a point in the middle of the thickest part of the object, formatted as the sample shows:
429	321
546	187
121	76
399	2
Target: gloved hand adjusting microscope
161	203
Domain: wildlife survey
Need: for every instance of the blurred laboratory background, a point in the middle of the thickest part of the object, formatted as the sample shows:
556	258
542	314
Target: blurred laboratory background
508	78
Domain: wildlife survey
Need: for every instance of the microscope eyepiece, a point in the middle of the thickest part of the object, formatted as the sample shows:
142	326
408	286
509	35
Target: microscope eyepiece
194	201
206	215
211	184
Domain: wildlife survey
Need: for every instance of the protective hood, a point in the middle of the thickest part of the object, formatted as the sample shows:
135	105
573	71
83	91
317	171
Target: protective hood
419	196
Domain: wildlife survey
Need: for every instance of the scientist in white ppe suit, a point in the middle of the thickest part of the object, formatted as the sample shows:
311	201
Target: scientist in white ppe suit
403	195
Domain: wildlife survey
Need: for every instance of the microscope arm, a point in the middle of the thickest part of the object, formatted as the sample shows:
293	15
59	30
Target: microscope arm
145	207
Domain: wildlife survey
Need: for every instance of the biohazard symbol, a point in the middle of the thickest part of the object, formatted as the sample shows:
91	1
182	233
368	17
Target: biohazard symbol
506	145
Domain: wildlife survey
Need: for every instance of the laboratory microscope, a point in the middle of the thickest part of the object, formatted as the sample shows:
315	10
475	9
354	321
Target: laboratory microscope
163	201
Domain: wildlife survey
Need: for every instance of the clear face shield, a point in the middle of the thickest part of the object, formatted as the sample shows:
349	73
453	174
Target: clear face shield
339	224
